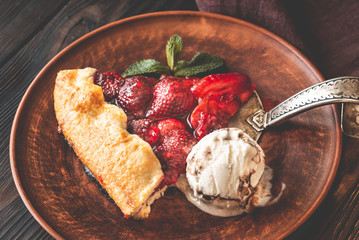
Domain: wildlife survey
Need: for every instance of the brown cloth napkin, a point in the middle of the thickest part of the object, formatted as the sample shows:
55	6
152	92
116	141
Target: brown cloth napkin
324	30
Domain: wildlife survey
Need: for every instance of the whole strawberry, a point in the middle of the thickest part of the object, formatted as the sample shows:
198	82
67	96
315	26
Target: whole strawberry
147	129
135	95
187	81
110	83
169	124
172	152
172	98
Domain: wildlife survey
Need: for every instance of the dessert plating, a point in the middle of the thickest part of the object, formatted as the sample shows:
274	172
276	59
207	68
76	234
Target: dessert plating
134	133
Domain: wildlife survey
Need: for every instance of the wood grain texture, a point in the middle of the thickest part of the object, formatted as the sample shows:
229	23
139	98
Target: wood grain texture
329	29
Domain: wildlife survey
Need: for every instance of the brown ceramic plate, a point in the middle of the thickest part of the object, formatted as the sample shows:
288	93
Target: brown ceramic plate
304	152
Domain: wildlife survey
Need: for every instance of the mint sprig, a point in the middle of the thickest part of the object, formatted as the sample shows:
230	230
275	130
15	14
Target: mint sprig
173	51
200	63
146	66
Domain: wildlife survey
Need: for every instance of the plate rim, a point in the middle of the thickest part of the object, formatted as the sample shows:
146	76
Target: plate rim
294	50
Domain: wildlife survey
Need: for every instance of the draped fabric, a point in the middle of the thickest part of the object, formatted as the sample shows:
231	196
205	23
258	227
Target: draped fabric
324	30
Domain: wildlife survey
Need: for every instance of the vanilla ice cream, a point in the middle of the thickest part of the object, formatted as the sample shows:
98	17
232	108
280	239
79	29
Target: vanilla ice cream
226	174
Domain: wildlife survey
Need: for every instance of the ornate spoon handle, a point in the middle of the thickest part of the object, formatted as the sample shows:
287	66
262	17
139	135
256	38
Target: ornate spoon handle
337	90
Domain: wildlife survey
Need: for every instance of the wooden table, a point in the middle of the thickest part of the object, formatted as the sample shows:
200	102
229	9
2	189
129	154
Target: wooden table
34	31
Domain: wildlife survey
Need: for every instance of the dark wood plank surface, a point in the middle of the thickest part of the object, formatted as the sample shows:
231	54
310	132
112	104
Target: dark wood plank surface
32	32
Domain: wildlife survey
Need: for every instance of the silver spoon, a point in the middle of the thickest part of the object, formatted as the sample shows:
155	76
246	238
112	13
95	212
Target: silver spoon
252	118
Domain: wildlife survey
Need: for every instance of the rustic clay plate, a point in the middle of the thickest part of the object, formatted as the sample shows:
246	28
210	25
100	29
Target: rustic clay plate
304	152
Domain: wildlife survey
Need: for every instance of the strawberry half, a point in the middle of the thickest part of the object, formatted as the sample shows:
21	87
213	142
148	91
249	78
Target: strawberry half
213	113
172	98
135	95
219	96
172	152
223	106
236	84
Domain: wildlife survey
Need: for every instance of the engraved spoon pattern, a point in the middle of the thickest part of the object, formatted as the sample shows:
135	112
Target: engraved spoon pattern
337	90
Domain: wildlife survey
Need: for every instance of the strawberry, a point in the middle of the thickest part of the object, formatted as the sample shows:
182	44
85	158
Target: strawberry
236	84
208	123
170	177
135	95
219	96
187	81
213	113
110	83
172	98
169	124
223	106
172	152
147	129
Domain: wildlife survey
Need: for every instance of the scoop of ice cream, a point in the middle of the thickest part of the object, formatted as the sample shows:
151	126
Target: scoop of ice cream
226	174
226	164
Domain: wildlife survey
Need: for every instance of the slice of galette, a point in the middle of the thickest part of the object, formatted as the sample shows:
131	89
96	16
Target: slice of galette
123	163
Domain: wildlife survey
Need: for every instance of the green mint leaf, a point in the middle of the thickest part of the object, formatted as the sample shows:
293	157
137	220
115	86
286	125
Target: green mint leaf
182	64
173	51
201	62
146	66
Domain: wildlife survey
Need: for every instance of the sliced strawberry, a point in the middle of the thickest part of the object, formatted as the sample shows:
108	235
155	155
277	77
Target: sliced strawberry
170	124
212	108
237	84
135	95
208	123
224	107
147	129
213	113
172	98
172	152
110	83
219	96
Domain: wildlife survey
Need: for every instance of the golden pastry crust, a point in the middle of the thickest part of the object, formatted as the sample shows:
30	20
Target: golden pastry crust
123	163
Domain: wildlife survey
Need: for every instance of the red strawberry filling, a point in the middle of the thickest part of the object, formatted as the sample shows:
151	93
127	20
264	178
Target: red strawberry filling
173	113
